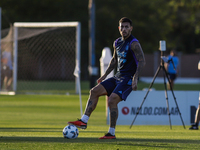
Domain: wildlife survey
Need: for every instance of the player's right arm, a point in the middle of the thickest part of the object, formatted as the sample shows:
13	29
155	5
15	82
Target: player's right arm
111	66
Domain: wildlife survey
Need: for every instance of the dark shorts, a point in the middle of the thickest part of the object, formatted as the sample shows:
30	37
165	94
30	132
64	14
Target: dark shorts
6	71
172	76
121	86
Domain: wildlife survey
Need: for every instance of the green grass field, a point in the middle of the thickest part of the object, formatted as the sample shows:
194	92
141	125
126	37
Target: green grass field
63	87
35	122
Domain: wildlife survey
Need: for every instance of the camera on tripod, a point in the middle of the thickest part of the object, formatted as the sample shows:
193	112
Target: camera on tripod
162	48
162	45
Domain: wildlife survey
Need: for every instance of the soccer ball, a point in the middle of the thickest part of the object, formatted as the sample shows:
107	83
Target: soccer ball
70	132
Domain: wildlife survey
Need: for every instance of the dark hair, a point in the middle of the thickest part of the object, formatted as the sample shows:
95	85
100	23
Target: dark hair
174	51
125	19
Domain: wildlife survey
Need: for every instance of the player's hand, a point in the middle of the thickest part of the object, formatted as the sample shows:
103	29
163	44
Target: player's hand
101	79
134	85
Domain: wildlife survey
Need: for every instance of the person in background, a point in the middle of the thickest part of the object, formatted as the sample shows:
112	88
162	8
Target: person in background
7	67
195	126
172	67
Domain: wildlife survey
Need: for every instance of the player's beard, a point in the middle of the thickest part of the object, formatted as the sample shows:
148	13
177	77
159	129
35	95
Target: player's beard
125	35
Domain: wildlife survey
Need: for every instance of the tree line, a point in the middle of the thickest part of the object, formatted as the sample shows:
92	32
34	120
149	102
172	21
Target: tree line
177	22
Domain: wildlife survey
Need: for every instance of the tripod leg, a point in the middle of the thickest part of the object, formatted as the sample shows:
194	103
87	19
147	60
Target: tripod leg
166	96
156	74
174	97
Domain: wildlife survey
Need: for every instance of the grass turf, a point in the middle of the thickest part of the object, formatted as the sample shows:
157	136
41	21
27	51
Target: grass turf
58	87
36	121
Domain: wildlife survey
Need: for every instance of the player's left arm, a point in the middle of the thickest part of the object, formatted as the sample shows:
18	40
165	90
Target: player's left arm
137	49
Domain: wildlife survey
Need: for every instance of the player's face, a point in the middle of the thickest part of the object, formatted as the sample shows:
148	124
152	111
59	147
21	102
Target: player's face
125	29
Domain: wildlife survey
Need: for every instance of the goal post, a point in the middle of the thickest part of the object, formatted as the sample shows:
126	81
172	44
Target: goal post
58	42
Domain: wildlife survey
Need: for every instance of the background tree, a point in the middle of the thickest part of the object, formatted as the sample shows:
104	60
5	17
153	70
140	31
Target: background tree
177	22
186	26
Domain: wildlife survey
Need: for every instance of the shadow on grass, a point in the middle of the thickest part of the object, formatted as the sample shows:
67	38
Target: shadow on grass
30	129
42	130
130	143
6	139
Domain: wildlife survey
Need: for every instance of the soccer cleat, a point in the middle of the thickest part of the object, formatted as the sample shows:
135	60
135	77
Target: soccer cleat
79	124
108	136
194	127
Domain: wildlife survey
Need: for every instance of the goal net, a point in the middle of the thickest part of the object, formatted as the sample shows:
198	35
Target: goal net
45	56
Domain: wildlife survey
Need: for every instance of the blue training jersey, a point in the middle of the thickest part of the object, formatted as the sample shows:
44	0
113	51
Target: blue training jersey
7	55
127	62
171	68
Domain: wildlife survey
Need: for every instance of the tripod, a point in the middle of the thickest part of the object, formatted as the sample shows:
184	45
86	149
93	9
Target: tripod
164	75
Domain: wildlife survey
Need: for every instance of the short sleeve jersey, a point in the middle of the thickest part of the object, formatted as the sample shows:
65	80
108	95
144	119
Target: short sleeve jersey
171	68
7	55
127	62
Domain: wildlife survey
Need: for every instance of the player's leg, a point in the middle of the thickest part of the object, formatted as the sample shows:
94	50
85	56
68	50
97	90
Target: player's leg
172	78
10	79
197	117
95	92
2	78
168	83
195	126
5	81
9	85
120	93
113	101
172	84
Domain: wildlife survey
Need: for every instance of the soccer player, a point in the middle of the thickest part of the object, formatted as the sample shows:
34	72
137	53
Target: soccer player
129	58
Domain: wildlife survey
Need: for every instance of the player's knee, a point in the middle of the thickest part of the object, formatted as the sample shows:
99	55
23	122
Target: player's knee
94	91
110	103
113	100
97	91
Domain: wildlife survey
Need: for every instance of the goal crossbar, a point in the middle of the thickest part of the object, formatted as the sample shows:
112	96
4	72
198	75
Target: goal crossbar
46	24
